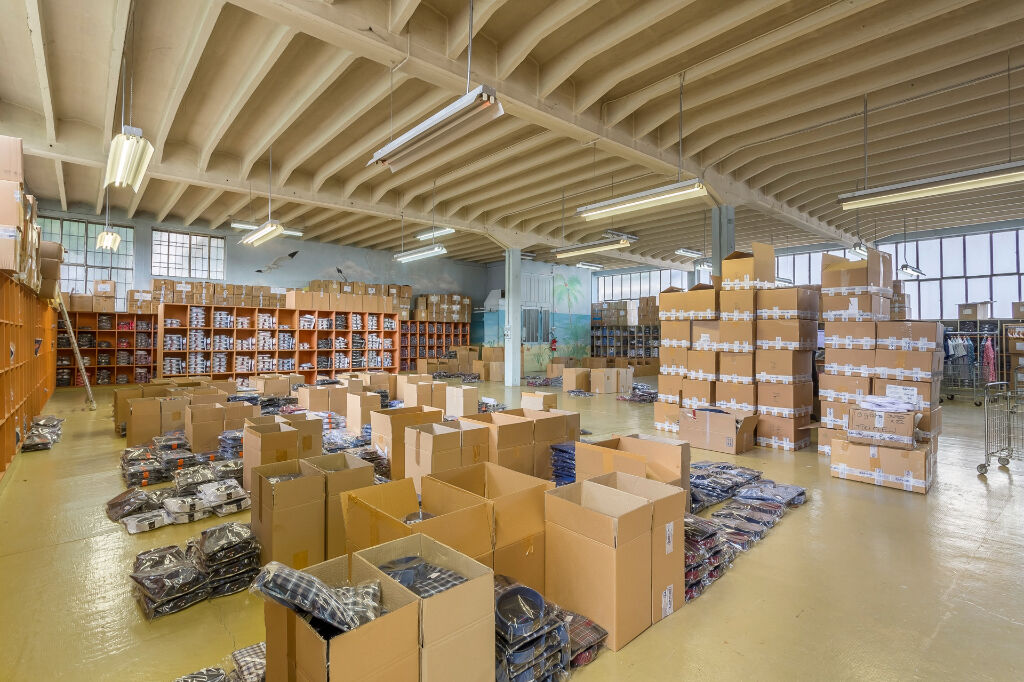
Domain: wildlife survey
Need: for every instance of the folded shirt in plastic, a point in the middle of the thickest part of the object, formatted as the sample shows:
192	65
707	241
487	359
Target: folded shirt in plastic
187	481
768	490
204	675
189	517
134	500
232	507
139	523
421	577
250	662
181	505
218	492
342	608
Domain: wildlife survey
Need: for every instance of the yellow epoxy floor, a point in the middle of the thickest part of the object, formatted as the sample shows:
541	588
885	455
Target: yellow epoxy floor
859	583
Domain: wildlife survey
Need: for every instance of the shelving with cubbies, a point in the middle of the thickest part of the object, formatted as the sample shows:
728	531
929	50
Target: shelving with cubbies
634	341
116	348
423	339
236	342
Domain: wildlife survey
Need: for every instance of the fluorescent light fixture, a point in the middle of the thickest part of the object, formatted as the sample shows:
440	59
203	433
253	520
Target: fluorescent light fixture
128	159
978	178
435	232
909	269
590	266
264	234
859	249
461	117
249	226
666	194
703	264
612	240
783	280
689	253
108	241
421	253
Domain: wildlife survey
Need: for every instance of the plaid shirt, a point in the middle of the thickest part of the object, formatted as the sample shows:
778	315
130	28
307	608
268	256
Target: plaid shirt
422	578
306	594
250	662
204	675
583	632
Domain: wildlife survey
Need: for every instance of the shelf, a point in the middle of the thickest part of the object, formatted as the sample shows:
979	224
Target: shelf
87	323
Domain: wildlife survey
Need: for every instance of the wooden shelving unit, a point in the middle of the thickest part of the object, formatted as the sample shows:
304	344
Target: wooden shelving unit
234	342
117	348
635	341
429	340
28	336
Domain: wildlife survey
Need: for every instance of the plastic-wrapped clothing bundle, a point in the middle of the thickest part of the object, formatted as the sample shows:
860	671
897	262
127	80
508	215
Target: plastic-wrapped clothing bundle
531	635
419	576
187	481
150	520
143	473
219	492
205	675
132	501
765	489
228	469
563	463
576	393
173	440
714	482
250	662
336	440
737	513
708	554
229	444
641	393
180	505
232	507
189	517
344	608
44	431
167	581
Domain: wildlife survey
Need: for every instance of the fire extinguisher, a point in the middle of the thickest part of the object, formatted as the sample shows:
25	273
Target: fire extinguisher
554	345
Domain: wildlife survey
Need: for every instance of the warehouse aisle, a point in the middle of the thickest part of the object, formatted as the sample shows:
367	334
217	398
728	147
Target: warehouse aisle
861	582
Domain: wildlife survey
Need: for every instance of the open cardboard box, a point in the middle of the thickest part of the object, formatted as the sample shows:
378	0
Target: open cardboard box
388	427
718	429
753	270
659	459
510	439
341	472
288	516
431	448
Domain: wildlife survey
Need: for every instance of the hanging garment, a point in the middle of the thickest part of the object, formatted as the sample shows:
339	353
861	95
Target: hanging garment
989	361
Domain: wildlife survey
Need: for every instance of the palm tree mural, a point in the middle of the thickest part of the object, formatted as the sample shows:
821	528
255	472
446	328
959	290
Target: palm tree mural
570	291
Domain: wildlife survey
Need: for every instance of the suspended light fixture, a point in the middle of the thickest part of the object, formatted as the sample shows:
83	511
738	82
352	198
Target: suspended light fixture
689	253
614	240
590	266
420	253
271	228
130	153
979	178
434	232
907	268
703	264
860	249
107	240
238	225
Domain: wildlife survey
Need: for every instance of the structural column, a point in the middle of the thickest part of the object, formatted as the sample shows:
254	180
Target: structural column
723	236
513	315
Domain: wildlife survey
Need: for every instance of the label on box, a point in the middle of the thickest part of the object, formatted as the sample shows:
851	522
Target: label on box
667	604
669	536
8	233
879	419
907	393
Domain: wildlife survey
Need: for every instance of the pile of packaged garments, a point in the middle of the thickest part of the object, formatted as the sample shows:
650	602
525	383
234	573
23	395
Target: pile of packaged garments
44	432
708	554
543	381
466	377
336	440
229	444
490	405
641	393
380	462
272	404
331	420
531	636
575	393
746	522
198	492
223	560
563	463
250	665
328	610
245	397
714	482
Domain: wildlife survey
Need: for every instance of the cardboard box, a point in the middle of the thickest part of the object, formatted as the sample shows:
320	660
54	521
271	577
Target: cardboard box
787	335
104	288
704	335
729	431
841	277
437	394
461	401
496	371
315	398
456	633
376	514
754	270
270	443
81	303
341	472
859	363
666	417
673	360
908	470
609	532
120	406
843	389
594	363
785	400
666	461
359	410
737	304
311	433
676	333
548	426
538	400
856	307
891	429
668	557
784	366
288	517
388	428
697	393
699	302
492	354
784	433
736	336
790	303
702	365
272	384
172	413
575	379
669	388
926	395
851	334
416	394
203	426
737	368
611	380
510	439
736	396
431	448
473	441
909	365
825	438
383	650
923	336
483	369
143	420
11	159
981	310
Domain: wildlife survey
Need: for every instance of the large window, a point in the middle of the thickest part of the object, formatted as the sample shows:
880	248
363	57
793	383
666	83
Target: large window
635	285
967	268
84	263
177	254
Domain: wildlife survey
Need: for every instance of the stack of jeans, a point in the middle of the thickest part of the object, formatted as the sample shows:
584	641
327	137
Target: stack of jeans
531	637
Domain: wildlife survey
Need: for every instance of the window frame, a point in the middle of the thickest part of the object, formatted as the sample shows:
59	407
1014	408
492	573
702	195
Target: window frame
165	268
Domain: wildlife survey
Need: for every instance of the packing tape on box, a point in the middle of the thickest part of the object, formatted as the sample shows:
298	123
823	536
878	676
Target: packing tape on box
735	379
742	284
708	314
893	343
783	443
774	313
735	347
857	290
882	438
700	375
732	404
695	402
764	377
833	422
667	426
902	374
849	343
668	398
779	344
773	411
907	480
853	316
737	316
673	370
849	370
825	449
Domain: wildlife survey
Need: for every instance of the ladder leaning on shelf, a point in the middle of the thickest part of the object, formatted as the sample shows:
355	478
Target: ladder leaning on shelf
78	356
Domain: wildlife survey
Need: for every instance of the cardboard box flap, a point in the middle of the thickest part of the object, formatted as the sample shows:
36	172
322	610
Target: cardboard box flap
669	501
602	514
308	487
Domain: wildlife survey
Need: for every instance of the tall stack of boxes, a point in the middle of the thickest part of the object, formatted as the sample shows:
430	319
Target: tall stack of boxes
443	308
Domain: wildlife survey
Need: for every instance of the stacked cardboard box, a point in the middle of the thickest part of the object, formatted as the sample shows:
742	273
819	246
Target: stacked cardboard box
51	255
786	339
433	448
19	235
443	308
858	290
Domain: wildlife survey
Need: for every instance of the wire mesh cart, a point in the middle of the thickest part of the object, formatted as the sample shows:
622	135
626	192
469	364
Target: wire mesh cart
962	378
1004	425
